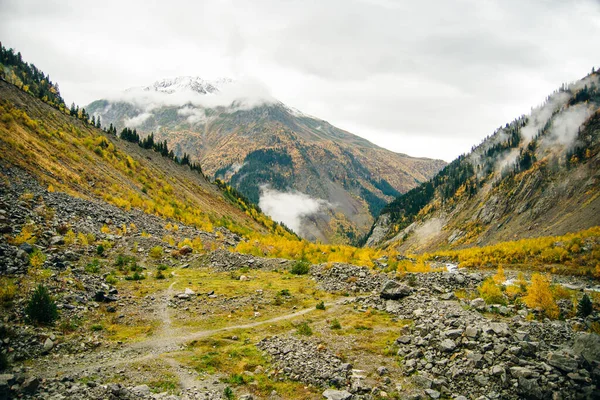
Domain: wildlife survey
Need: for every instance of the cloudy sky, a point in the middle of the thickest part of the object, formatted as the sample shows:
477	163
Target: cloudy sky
427	79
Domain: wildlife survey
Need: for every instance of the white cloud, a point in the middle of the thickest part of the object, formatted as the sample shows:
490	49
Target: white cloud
137	120
394	72
290	207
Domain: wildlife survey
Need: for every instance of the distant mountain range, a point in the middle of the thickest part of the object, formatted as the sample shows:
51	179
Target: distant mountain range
337	182
538	175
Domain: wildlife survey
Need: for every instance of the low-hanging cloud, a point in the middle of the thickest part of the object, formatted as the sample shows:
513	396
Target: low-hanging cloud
565	126
290	207
137	120
241	94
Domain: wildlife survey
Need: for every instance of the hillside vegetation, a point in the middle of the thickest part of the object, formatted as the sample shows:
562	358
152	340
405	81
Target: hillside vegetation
536	176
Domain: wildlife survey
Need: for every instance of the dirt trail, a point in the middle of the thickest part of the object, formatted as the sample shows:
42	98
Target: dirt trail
168	340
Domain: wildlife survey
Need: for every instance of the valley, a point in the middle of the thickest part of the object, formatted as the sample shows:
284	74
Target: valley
130	272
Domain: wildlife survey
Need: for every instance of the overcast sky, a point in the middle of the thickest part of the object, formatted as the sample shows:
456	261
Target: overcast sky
428	79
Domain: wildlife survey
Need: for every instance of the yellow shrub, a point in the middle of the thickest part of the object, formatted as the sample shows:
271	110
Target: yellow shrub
27	234
50	188
105	229
70	237
8	290
156	252
490	292
500	278
82	239
185	242
513	291
36	259
539	296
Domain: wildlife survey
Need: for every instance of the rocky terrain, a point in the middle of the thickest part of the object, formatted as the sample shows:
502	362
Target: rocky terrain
402	336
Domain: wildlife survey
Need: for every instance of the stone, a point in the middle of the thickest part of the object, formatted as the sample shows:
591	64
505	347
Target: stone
587	345
472	331
331	394
189	291
141	390
26	247
453	333
478	303
520	372
433	394
422	381
562	362
530	388
48	345
404	339
185	250
447	345
57	241
30	384
393	290
244	278
382	370
447	296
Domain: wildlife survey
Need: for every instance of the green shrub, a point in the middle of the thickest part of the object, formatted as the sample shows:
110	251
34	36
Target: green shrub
285	292
93	267
228	393
135	277
300	268
41	309
335	324
159	275
320	305
97	327
162	267
304	329
111	279
584	307
100	250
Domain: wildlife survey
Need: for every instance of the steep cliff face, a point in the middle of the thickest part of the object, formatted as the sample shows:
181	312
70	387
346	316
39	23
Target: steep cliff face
264	143
538	175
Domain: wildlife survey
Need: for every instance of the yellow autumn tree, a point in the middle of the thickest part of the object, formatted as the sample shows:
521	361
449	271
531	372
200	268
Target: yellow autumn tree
539	296
500	278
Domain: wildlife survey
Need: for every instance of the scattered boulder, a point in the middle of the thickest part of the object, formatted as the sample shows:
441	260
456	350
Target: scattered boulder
331	394
393	290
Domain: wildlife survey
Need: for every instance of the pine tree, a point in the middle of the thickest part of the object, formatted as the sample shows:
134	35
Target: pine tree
41	308
584	307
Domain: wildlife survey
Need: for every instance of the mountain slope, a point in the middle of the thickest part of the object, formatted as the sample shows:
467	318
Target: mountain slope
69	155
538	175
255	142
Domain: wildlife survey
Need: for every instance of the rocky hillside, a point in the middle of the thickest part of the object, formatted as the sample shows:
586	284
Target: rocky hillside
536	176
65	154
252	143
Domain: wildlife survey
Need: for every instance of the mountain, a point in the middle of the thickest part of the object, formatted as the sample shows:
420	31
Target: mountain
324	182
68	154
538	175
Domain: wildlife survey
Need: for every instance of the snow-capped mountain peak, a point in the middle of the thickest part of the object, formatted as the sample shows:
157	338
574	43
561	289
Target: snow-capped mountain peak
186	84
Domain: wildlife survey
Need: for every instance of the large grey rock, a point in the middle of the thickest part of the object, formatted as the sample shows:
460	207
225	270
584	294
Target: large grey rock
562	362
30	384
587	345
478	303
447	345
331	394
48	345
393	290
433	394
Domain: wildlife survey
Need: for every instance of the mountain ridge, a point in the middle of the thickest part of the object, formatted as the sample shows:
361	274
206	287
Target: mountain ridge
537	175
289	151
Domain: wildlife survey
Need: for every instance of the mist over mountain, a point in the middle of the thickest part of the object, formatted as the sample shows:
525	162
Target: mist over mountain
537	175
240	134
